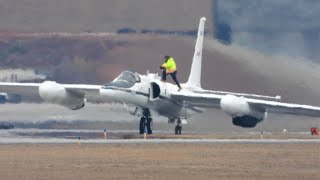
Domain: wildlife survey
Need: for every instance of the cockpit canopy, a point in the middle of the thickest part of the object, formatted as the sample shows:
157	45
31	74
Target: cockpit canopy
126	79
128	76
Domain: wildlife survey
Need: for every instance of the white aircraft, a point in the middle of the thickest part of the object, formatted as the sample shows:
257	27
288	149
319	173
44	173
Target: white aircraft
150	95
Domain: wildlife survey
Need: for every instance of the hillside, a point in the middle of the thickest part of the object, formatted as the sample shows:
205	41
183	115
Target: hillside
101	15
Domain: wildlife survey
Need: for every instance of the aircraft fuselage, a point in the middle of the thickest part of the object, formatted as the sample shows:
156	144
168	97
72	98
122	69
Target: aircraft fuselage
150	93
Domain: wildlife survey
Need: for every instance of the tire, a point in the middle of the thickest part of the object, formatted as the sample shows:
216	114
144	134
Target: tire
178	130
142	125
149	125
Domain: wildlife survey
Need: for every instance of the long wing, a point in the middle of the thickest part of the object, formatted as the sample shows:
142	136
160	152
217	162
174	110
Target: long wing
213	101
286	108
236	94
91	92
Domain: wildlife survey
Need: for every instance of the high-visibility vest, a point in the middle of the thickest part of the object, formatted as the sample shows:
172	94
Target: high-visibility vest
170	65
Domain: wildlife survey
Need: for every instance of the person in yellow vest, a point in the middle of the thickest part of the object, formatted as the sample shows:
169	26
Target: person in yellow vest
169	67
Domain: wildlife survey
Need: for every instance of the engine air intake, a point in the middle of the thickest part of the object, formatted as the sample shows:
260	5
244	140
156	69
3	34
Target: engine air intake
154	91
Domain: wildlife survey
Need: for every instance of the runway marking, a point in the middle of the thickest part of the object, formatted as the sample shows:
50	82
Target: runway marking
155	141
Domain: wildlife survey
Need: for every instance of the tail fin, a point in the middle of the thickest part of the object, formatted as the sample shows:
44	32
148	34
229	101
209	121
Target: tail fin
195	74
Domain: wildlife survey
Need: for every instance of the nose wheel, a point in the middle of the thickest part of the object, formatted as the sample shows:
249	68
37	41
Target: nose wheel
178	128
145	122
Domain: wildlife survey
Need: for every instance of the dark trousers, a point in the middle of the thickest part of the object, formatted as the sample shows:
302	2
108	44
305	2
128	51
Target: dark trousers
173	75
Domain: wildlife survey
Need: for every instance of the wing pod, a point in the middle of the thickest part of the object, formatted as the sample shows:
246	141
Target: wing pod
55	93
242	113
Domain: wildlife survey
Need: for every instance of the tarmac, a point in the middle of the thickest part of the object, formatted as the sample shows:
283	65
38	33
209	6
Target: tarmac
87	136
9	140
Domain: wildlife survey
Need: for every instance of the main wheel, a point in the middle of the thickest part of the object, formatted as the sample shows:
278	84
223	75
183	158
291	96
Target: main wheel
149	125
178	129
142	125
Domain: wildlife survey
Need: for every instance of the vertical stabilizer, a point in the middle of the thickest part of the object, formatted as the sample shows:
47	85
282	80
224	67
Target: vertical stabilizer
195	74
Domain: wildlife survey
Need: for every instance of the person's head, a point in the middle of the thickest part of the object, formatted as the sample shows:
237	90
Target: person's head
166	57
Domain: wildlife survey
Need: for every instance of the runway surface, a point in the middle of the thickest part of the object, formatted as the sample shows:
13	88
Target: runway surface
87	136
154	141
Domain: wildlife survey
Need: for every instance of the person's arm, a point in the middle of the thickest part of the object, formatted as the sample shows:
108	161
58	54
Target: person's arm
164	66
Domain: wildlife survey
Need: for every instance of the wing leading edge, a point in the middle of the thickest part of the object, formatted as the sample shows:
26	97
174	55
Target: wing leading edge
213	101
91	92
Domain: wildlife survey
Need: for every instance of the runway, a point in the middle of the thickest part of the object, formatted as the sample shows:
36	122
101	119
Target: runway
154	141
87	136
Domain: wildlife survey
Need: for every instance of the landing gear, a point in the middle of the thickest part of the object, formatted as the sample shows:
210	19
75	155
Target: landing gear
178	127
142	125
145	122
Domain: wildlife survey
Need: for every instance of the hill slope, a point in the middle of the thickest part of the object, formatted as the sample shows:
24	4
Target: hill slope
101	15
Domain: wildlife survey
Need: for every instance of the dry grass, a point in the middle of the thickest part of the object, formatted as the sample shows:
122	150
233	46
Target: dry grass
174	161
